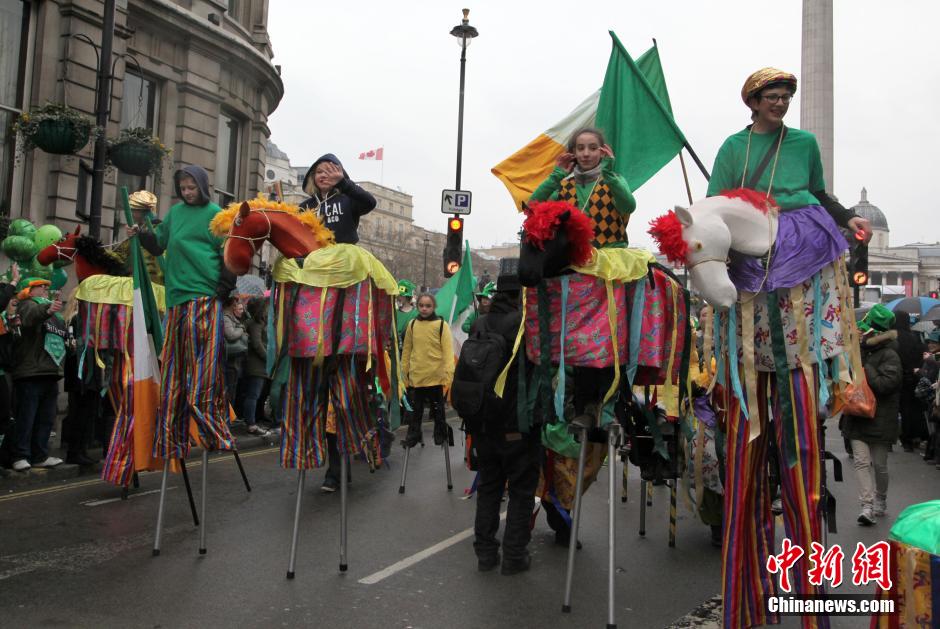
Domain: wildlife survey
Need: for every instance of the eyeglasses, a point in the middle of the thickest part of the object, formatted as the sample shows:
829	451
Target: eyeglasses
773	98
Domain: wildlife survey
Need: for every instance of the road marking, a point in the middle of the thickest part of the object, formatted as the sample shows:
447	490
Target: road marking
85	483
407	562
105	501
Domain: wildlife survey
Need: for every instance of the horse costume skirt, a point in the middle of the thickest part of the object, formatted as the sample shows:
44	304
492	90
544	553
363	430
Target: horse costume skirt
191	382
649	317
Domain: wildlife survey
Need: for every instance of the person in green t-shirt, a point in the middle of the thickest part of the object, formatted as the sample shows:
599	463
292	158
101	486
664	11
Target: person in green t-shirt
785	165
794	174
584	177
191	383
484	301
406	310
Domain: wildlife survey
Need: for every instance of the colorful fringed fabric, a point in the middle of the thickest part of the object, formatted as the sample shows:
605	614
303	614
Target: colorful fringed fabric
313	321
587	337
104	326
119	461
310	390
915	574
748	528
191	387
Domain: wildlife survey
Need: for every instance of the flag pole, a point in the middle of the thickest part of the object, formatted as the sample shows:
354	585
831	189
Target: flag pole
685	176
697	161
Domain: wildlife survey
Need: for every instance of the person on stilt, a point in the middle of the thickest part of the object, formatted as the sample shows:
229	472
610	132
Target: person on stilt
427	367
336	199
191	363
585	178
785	165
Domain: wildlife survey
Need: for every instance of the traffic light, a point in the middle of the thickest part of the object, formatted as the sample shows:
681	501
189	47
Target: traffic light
453	247
858	264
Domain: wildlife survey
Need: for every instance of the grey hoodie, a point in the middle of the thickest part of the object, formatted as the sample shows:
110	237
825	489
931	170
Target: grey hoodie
200	176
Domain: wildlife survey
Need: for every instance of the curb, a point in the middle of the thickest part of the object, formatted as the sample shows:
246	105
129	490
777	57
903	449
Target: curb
11	481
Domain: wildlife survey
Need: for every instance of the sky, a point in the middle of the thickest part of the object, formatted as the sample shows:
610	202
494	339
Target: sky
360	74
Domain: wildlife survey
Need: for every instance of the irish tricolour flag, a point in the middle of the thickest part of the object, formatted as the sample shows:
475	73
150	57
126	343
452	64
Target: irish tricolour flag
632	108
147	336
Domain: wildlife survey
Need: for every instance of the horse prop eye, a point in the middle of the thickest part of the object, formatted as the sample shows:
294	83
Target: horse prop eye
238	221
697	246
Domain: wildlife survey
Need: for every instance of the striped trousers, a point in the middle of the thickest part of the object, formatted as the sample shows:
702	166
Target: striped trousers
748	524
192	392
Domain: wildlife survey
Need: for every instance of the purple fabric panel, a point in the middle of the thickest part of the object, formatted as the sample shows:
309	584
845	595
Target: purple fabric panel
807	240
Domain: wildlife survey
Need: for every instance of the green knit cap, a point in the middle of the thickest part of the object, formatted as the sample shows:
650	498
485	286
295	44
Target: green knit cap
879	319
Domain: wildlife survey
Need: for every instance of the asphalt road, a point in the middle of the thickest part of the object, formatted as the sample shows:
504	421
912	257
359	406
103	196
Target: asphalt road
76	555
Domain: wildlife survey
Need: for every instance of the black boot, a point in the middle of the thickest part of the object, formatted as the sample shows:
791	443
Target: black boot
515	566
414	436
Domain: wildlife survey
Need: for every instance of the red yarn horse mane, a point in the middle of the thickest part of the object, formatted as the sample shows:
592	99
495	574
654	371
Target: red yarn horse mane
542	222
760	200
667	231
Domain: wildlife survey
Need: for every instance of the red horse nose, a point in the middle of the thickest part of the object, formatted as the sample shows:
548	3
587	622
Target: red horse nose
47	256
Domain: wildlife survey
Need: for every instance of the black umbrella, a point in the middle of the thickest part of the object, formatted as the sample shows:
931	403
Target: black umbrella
913	305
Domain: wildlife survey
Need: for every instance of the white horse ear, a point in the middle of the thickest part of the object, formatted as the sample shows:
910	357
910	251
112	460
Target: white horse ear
684	216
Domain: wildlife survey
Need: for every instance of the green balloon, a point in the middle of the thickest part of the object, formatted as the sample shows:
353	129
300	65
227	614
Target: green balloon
59	278
36	270
21	227
19	248
47	235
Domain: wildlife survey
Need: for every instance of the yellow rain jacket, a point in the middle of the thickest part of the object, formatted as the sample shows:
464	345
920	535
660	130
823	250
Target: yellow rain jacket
427	357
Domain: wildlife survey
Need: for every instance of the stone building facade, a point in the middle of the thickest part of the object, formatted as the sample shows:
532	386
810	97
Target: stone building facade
196	72
908	270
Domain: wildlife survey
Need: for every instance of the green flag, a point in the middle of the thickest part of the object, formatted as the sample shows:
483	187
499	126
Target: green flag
652	69
638	125
456	295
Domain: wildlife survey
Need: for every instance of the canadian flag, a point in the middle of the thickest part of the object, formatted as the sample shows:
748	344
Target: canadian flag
374	154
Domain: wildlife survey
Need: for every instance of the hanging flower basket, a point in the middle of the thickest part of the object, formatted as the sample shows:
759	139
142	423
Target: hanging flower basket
55	129
133	159
138	152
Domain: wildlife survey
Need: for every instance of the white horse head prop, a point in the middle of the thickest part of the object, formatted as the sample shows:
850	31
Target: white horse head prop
701	236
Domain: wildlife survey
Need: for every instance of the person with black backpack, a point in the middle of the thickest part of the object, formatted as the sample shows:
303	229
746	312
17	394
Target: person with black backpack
427	367
506	448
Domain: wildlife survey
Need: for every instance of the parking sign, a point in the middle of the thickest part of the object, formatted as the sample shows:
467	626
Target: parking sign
455	201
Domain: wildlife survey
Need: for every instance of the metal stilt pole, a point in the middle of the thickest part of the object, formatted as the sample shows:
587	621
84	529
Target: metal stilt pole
156	539
450	480
404	471
644	487
293	542
343	507
241	469
189	492
613	434
576	520
204	500
672	514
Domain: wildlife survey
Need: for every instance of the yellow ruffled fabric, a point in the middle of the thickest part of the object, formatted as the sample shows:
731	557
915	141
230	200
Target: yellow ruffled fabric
337	266
113	289
620	264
